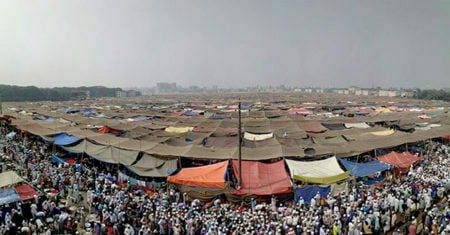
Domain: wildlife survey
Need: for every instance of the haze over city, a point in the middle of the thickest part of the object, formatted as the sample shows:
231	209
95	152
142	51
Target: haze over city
225	43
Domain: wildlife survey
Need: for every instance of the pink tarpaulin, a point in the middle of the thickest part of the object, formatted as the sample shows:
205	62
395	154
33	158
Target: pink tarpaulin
263	178
26	192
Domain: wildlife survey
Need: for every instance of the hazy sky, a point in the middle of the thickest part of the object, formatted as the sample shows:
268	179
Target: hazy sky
394	43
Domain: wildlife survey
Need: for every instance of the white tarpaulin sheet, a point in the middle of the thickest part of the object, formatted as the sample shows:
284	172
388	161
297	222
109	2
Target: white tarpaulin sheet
360	125
257	137
9	178
315	169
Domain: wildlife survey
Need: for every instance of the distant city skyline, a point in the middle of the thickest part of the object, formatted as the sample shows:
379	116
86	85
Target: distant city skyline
229	44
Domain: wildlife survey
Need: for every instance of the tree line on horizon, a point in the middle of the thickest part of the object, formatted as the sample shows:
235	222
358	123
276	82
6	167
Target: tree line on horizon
433	94
10	93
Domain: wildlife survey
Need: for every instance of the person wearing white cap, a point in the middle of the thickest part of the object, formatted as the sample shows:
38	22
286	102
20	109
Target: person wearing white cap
312	203
128	230
301	202
88	231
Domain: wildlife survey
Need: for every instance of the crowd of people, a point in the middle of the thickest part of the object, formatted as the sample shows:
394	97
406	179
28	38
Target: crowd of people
87	198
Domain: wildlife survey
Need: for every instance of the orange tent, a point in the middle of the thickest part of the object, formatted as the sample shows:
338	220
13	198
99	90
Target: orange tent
204	176
107	129
401	161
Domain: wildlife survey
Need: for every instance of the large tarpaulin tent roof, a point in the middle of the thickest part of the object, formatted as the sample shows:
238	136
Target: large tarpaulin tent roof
9	178
330	140
312	126
37	129
287	137
104	153
203	176
402	161
137	145
223	141
364	168
151	166
199	152
325	171
262	178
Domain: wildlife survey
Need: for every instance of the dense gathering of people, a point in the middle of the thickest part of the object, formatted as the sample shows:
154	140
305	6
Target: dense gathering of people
88	198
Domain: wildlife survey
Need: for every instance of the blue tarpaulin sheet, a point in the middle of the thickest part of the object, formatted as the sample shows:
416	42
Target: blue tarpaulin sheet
364	169
372	181
8	195
65	139
58	160
62	161
307	193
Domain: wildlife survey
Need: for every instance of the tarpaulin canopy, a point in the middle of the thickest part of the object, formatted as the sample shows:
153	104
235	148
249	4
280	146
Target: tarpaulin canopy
364	169
330	140
37	129
8	195
307	193
312	127
383	133
26	192
262	178
204	176
401	161
360	125
225	141
107	129
325	171
334	126
151	166
65	139
104	153
173	129
9	178
257	137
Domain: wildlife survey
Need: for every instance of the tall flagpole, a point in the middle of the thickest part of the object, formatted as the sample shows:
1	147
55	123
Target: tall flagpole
240	146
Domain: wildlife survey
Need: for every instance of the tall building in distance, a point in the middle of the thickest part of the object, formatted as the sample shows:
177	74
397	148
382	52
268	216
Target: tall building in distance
128	93
166	87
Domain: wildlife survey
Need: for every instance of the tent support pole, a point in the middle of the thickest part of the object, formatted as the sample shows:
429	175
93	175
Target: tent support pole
240	146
